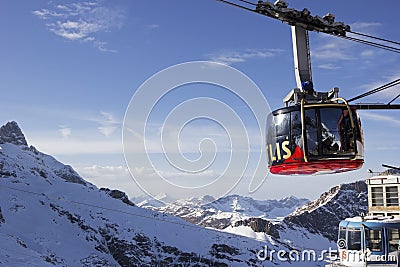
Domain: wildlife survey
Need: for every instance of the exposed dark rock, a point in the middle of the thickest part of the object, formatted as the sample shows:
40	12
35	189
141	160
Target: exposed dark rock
95	260
69	175
261	225
11	133
6	173
222	251
146	252
322	216
205	220
21	243
2	220
118	195
73	218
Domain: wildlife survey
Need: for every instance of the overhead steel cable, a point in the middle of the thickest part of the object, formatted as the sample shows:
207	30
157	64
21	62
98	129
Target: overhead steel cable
366	42
377	45
236	5
376	90
394	99
374	37
248	2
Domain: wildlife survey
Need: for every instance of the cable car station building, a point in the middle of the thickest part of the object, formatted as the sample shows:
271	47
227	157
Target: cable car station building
373	240
383	196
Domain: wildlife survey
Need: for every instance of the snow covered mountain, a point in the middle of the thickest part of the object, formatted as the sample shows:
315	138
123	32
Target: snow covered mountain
316	219
295	222
224	211
50	216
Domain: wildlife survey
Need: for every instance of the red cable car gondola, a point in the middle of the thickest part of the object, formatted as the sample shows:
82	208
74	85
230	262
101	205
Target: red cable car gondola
315	132
314	138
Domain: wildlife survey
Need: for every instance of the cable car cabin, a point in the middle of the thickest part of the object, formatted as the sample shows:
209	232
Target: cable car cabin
368	242
314	138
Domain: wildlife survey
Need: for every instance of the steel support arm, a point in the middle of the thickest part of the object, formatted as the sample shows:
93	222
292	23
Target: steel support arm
301	55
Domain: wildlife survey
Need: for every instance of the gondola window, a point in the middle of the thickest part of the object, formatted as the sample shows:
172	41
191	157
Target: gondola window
374	243
354	239
393	239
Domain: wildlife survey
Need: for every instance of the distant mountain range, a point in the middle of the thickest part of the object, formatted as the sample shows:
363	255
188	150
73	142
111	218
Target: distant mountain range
224	211
50	216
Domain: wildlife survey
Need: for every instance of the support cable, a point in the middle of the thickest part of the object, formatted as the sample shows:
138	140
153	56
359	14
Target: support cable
366	42
376	90
394	99
374	37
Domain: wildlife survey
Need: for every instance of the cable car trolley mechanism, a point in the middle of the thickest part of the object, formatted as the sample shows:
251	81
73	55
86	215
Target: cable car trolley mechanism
315	132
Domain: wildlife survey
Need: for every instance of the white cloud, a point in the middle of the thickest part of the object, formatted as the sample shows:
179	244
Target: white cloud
231	57
107	130
65	131
367	53
46	14
381	118
387	94
333	49
364	26
152	26
104	171
328	66
108	123
82	21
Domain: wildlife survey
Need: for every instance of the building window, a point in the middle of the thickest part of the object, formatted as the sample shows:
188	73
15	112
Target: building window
377	196
392	196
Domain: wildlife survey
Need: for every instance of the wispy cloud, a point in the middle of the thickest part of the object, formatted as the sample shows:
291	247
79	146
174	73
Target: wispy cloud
328	66
65	131
387	94
381	118
365	27
82	21
333	49
108	123
336	49
104	171
152	26
231	57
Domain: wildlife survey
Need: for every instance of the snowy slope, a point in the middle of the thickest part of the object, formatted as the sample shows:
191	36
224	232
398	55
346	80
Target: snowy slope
50	216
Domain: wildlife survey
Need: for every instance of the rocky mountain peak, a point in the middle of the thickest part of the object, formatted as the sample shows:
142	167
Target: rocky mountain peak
322	216
11	133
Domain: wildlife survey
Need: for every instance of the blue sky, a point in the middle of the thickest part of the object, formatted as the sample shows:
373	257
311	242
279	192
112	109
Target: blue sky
69	69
